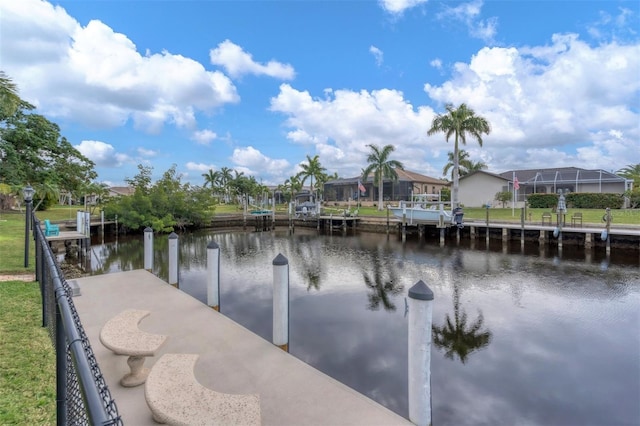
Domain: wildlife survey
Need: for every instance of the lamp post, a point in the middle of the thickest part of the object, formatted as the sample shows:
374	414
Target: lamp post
27	192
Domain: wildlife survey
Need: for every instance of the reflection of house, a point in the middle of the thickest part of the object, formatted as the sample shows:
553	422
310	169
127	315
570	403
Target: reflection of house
343	190
479	188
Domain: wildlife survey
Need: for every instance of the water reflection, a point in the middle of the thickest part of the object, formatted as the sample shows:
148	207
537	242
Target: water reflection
534	341
383	283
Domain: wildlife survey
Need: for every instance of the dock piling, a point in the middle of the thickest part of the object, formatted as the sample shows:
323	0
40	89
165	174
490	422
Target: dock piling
173	259
148	249
420	305
281	302
213	275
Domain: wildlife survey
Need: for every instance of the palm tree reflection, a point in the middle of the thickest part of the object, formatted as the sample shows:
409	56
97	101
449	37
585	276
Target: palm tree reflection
382	287
457	337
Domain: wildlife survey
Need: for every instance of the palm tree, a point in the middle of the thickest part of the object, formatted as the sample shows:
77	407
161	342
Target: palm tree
631	171
9	99
476	166
459	122
211	179
463	160
225	180
312	169
381	167
294	184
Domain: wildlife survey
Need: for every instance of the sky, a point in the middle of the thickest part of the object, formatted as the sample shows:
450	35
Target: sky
257	86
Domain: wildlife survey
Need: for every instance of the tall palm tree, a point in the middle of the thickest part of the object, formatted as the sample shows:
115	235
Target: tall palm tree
212	180
313	169
382	167
225	180
459	122
294	184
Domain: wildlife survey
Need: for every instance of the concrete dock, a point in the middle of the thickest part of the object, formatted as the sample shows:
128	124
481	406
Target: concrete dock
232	358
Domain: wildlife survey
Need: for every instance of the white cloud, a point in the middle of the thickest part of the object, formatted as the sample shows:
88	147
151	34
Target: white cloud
564	97
146	152
199	167
203	137
436	63
468	14
377	54
97	77
237	63
253	163
343	123
102	154
397	7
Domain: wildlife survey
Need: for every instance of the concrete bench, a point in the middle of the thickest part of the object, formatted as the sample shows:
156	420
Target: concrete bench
122	336
175	397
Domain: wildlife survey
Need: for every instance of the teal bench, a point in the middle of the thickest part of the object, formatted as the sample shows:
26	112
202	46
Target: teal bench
49	229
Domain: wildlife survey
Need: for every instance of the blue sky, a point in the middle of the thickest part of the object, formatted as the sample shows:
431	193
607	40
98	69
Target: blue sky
257	86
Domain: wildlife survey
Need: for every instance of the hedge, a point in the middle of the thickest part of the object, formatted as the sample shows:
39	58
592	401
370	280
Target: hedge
577	200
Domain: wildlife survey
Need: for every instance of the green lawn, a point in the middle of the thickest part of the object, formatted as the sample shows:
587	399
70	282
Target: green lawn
27	358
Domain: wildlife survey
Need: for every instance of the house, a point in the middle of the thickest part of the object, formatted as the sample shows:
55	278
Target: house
479	188
115	191
408	183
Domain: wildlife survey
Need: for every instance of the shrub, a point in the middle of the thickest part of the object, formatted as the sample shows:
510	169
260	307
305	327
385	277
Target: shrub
577	200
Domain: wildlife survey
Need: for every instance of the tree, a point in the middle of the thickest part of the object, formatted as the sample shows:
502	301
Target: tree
504	197
225	180
459	122
631	171
212	180
463	160
33	151
382	167
164	206
311	170
10	101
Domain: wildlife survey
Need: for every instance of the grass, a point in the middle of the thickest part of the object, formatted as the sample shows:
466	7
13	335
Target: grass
27	358
12	244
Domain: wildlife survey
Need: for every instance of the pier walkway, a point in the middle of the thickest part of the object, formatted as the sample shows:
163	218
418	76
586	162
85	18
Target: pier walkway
232	358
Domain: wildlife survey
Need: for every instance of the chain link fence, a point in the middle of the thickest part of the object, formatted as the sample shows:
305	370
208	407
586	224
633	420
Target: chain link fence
82	395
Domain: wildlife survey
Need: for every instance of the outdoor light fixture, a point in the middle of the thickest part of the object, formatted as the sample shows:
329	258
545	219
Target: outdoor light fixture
27	192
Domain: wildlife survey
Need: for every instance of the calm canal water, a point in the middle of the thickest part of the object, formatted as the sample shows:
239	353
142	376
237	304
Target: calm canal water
525	338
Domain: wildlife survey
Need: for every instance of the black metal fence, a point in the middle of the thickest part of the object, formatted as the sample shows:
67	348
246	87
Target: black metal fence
82	395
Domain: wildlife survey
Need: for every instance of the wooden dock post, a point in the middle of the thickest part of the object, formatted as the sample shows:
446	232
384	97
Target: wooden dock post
173	259
420	306
607	217
213	275
148	249
404	223
387	219
281	302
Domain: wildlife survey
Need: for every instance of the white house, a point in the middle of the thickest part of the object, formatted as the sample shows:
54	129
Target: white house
479	188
